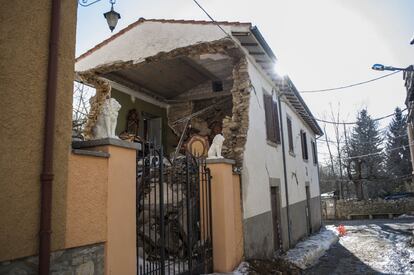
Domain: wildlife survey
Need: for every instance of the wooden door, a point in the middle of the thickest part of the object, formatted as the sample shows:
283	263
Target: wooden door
308	211
275	202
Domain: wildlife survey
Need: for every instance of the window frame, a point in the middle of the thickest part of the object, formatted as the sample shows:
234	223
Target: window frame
304	142
289	127
314	152
271	119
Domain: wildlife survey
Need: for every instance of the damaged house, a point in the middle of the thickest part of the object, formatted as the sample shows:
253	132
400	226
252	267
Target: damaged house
183	82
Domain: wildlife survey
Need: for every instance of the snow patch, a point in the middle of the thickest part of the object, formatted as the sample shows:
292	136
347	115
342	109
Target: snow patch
384	248
306	253
242	269
405	216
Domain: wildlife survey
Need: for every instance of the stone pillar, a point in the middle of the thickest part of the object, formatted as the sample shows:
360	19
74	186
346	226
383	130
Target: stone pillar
120	244
226	215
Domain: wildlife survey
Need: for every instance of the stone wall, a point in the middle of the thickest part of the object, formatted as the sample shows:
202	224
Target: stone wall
235	127
84	260
372	207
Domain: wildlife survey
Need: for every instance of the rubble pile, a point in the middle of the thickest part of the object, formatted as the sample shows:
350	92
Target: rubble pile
176	204
235	127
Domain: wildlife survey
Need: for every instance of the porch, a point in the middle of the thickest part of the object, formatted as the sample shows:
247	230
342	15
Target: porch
172	107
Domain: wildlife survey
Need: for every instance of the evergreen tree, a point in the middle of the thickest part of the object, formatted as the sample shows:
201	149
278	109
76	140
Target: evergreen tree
364	153
398	155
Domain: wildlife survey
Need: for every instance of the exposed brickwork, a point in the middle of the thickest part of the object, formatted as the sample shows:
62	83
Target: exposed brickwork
142	20
103	89
92	77
235	127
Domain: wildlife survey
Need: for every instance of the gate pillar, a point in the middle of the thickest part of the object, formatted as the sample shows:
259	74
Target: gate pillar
226	215
120	241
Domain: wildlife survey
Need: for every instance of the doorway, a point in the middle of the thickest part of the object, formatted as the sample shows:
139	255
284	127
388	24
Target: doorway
275	204
308	210
152	129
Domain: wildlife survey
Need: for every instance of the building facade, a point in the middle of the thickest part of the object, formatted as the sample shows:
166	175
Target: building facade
167	70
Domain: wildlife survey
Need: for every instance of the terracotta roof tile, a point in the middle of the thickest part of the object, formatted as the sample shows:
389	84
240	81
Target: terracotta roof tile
141	20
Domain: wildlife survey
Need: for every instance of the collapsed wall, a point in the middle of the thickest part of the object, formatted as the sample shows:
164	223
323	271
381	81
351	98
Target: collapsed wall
230	108
103	90
235	127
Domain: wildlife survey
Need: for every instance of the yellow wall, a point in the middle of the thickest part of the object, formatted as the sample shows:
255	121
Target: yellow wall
24	32
226	215
101	205
120	246
238	222
86	200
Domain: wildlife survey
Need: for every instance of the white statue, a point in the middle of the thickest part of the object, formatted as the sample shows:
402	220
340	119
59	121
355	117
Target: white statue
107	119
215	149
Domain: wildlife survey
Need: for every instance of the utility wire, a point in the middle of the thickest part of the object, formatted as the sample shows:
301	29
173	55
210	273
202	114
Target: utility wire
348	86
211	18
343	142
351	123
303	92
373	154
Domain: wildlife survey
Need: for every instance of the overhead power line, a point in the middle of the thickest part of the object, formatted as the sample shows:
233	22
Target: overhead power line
343	142
211	18
348	86
381	152
351	123
373	154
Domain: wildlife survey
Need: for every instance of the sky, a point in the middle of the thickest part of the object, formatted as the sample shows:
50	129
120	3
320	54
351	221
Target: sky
320	44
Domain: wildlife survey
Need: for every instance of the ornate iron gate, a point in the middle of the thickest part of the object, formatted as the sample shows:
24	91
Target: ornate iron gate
174	233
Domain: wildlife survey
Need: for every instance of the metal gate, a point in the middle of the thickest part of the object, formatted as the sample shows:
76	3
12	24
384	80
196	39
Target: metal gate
174	233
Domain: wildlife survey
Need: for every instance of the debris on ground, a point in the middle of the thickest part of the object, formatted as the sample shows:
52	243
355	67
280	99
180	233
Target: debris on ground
277	267
306	253
261	267
341	230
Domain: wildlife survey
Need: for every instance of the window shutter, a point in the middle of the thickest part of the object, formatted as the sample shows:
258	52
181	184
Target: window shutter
315	160
290	135
304	145
270	127
276	121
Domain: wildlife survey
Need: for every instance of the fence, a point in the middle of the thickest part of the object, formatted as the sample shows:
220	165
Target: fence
174	228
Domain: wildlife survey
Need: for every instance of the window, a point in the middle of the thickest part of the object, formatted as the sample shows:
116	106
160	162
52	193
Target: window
290	135
304	145
272	119
314	155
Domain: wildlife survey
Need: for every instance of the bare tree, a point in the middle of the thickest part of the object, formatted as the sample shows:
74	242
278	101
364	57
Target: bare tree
80	107
338	140
331	158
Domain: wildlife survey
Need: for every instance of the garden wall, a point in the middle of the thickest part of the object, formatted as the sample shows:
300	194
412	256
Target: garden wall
373	207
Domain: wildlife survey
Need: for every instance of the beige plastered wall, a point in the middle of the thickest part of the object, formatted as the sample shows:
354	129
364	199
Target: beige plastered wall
86	200
101	205
23	64
226	217
120	246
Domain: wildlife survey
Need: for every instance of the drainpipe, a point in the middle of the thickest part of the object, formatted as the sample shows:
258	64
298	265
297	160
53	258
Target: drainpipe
284	168
46	178
319	180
